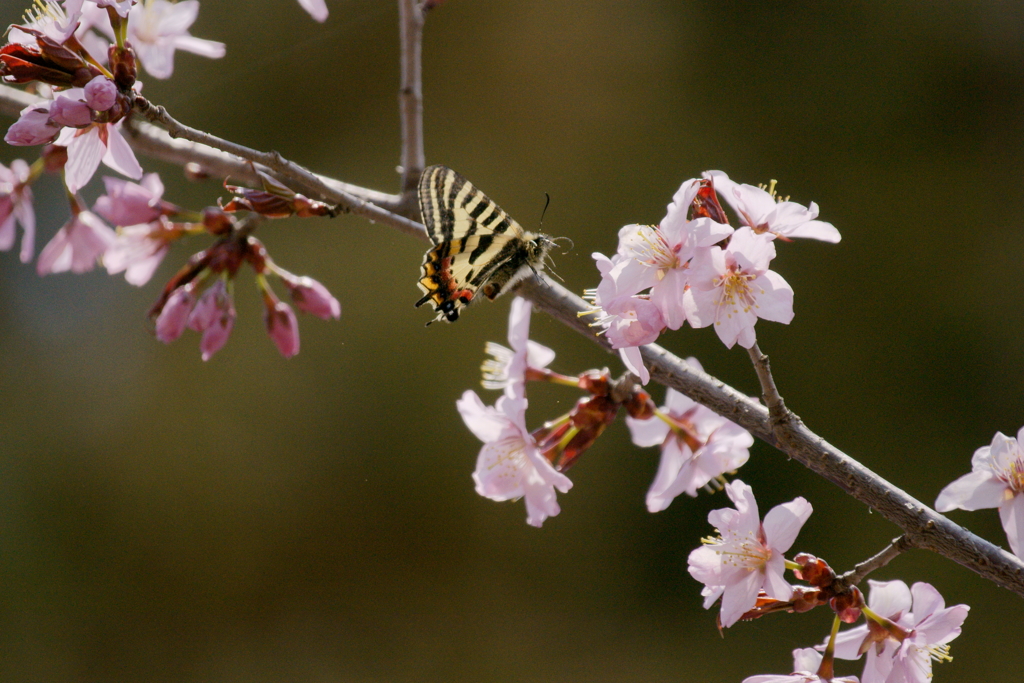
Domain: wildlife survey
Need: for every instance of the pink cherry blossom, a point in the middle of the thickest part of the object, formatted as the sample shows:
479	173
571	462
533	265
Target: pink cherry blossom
996	480
16	206
731	288
747	556
33	126
509	466
128	203
316	8
282	327
77	245
806	663
933	626
48	17
156	28
763	213
312	297
507	368
214	316
910	629
890	600
87	147
629	321
138	250
697	446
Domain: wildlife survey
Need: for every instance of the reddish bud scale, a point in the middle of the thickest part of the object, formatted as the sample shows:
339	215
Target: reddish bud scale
256	254
814	571
706	205
597	382
590	417
216	221
640	406
123	65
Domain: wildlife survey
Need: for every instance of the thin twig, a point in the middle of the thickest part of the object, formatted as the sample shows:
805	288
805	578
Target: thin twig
410	101
772	399
923	527
892	551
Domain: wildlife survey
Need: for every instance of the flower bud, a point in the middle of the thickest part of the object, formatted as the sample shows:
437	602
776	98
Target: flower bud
100	93
282	327
72	113
312	297
34	127
175	314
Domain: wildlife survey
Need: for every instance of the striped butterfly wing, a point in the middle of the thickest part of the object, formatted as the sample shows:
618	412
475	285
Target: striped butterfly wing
476	244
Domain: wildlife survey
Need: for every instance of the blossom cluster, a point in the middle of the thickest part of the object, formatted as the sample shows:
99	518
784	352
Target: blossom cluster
695	267
698	446
82	56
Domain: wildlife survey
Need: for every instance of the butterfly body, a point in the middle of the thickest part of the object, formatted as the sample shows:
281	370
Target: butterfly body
477	246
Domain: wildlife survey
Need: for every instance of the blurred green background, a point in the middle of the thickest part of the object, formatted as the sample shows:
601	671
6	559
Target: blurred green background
257	519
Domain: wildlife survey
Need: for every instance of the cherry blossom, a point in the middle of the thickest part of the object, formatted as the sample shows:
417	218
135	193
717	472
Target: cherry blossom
16	207
732	287
697	446
77	245
509	466
629	321
156	28
996	480
507	368
747	556
48	17
316	8
889	600
909	629
764	213
145	234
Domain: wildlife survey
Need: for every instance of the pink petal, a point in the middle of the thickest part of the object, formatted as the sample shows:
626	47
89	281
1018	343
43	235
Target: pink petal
973	491
776	303
119	155
740	597
84	154
647	433
1011	513
783	523
889	598
316	8
632	359
483	421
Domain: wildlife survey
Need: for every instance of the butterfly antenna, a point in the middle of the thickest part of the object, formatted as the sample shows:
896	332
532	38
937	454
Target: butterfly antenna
547	203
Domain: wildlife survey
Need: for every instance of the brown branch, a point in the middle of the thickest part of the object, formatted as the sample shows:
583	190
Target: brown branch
923	527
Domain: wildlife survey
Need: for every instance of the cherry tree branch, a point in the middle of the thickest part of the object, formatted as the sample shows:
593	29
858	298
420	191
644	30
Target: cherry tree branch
922	527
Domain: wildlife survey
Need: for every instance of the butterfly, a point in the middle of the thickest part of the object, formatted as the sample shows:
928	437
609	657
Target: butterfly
477	246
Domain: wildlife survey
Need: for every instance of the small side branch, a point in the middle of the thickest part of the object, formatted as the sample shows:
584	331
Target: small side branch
891	552
410	102
772	399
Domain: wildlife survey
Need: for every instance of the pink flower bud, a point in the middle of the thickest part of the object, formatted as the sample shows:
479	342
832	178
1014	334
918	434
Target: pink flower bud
100	93
33	128
214	316
174	316
282	327
72	113
312	297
